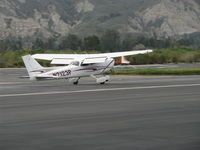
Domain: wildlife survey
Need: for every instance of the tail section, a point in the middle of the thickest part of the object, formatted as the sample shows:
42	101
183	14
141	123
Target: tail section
122	60
32	66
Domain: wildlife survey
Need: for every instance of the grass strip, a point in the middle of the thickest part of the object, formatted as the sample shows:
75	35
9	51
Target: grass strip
171	71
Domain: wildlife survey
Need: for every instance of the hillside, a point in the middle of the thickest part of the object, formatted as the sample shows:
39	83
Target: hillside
57	18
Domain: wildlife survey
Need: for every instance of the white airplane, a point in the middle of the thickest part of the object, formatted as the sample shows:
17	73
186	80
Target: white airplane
79	65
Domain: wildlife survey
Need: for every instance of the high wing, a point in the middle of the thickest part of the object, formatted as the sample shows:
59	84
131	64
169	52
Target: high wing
127	53
85	58
68	58
57	58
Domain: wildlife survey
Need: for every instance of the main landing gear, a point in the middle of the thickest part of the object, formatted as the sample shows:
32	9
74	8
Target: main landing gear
75	83
74	80
100	80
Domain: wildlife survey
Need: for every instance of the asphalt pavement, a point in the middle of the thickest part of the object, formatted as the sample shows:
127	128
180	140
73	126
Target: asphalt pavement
129	112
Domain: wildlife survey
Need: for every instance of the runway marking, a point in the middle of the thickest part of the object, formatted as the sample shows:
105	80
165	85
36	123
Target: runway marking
98	90
4	83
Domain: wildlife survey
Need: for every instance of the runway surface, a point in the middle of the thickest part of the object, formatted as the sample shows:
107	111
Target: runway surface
129	112
154	66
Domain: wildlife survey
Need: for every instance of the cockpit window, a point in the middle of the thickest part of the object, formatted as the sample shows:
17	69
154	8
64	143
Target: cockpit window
75	63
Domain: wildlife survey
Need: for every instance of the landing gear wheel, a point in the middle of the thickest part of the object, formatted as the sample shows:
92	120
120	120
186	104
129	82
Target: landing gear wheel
74	80
75	83
102	83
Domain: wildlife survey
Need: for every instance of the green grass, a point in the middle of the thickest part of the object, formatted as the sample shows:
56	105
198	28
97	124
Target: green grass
164	56
174	71
179	55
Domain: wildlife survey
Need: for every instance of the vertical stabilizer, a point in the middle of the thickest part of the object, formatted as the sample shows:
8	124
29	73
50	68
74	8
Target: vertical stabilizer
122	60
32	66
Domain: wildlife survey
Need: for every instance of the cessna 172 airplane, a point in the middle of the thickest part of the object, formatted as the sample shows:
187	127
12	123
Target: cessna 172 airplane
79	65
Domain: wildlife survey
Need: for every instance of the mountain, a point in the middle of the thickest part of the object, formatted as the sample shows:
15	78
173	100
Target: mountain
57	18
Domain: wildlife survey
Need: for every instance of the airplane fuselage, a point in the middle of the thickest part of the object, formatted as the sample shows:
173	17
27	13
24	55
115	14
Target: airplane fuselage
79	70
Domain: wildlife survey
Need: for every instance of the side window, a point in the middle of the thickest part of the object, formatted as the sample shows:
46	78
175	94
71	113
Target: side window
75	63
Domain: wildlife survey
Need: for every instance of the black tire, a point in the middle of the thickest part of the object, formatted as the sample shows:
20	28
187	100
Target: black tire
102	83
75	83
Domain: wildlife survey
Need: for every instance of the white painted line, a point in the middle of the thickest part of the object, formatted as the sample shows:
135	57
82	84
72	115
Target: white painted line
12	74
4	83
99	90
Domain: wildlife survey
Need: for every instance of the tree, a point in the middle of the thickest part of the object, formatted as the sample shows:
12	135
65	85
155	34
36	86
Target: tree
128	44
13	43
3	46
110	41
50	43
38	44
91	43
139	47
72	42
